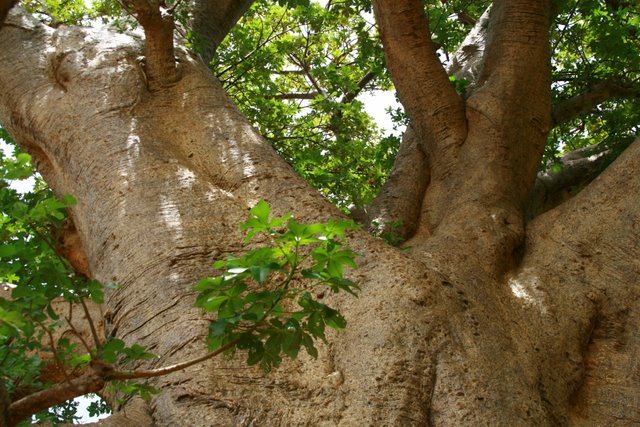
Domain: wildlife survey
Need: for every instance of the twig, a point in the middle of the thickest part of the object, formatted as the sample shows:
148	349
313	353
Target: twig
56	357
175	5
94	333
82	340
128	375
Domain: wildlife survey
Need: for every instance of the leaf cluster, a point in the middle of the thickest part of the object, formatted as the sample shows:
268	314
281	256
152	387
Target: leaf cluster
267	301
592	42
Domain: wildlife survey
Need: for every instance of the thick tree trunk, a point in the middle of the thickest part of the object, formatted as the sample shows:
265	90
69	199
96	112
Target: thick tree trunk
469	327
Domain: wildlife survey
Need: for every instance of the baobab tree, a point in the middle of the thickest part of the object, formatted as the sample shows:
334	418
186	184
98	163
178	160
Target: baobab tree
512	299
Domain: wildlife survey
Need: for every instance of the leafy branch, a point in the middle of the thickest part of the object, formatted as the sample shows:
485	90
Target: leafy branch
252	298
264	299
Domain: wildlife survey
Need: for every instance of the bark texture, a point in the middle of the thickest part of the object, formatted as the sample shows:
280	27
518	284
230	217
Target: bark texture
473	325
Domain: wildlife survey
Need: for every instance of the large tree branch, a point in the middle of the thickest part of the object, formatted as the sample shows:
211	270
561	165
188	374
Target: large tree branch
212	20
466	62
396	209
509	112
584	256
585	102
158	25
22	409
517	64
579	168
435	109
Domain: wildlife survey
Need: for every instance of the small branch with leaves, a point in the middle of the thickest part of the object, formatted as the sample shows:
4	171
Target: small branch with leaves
266	303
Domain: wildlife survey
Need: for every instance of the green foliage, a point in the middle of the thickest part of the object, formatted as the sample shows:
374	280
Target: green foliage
35	275
115	349
387	232
459	84
97	406
296	73
132	388
59	12
450	21
65	413
31	268
267	299
296	68
592	42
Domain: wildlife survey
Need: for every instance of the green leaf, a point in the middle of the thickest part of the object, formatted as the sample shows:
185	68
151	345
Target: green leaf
10	250
292	339
334	319
212	304
255	354
138	352
307	342
209	283
96	292
111	349
315	325
218	328
260	273
261	212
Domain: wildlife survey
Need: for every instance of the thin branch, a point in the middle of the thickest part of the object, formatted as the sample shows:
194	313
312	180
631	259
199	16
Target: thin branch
465	18
129	375
362	83
565	27
308	95
260	45
92	326
285	72
173	8
80	337
585	102
307	72
56	357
